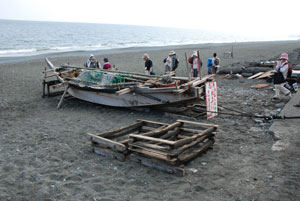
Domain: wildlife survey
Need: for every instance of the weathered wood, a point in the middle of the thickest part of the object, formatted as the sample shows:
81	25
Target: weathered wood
266	74
181	142
255	75
188	146
203	80
108	153
259	86
170	133
106	142
62	97
148	145
160	131
157	165
145	129
159	155
198	123
180	91
123	91
120	131
187	157
142	137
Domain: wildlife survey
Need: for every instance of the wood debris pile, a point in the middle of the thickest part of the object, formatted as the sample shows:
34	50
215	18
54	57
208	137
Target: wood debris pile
166	147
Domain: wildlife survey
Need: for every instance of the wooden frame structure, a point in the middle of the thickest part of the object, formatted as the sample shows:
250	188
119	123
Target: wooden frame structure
166	147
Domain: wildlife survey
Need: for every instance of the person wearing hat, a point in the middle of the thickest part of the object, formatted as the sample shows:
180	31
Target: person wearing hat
196	64
171	62
92	62
148	65
281	70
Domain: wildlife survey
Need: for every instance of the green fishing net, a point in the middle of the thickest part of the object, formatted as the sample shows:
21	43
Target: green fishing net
104	78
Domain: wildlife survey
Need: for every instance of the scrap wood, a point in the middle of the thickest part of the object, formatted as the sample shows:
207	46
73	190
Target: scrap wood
107	143
255	75
188	157
266	74
108	153
259	86
178	171
158	145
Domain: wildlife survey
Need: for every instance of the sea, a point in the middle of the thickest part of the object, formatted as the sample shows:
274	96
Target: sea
27	38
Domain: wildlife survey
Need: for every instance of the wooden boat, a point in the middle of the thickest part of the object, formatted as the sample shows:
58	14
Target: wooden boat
124	89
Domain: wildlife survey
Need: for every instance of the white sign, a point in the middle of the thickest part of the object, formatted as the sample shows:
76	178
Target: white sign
211	99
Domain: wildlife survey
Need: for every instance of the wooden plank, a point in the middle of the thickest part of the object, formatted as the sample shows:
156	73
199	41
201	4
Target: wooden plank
153	154
123	91
111	132
266	74
109	153
157	165
188	146
259	86
160	131
142	137
186	158
106	142
197	123
179	143
152	146
170	133
255	75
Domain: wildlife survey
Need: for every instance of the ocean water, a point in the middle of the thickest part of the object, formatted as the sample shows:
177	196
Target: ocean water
26	38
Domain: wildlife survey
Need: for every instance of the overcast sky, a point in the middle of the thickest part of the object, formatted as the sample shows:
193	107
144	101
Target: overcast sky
251	17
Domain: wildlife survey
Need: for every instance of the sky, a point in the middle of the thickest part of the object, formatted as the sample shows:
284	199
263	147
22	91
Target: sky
250	18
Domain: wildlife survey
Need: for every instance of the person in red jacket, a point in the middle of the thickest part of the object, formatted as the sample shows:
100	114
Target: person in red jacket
106	64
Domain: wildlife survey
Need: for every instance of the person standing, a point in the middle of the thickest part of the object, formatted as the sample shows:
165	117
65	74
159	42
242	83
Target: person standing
215	64
171	62
106	64
196	64
281	70
92	62
148	65
209	65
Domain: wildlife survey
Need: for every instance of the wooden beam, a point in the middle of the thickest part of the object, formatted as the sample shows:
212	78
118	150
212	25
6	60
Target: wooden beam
181	142
160	131
123	91
157	165
188	146
106	142
142	137
195	153
108	153
255	75
197	123
110	133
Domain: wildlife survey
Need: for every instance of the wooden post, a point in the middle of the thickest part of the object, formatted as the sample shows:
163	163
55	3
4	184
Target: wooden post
62	97
187	67
199	63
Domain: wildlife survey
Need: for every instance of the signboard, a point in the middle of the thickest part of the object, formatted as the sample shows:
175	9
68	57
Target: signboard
211	99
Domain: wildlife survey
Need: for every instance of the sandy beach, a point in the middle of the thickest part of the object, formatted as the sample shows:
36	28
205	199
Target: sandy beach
45	154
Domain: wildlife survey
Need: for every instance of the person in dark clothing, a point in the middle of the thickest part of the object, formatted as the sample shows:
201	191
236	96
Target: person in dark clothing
148	65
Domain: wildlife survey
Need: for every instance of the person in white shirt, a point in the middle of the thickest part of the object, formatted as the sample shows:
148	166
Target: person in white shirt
281	70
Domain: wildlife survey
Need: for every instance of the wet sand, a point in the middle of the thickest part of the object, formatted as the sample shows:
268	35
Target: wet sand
45	155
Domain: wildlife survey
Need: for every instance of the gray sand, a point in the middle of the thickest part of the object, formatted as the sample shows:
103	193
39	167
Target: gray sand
45	155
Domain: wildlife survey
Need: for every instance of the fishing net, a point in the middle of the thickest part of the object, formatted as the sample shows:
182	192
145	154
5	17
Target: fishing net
103	78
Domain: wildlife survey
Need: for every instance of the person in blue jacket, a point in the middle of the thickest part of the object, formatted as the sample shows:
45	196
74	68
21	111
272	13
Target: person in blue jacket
209	65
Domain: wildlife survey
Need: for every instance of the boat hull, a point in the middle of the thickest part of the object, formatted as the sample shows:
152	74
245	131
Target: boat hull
132	99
